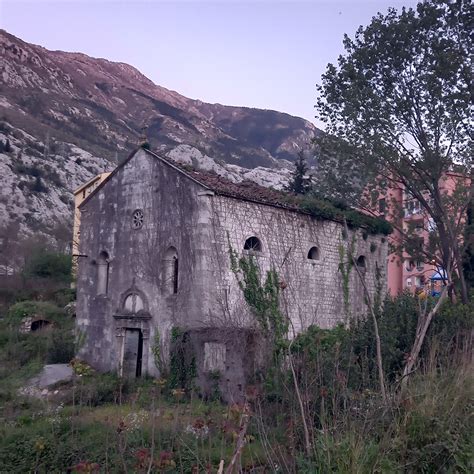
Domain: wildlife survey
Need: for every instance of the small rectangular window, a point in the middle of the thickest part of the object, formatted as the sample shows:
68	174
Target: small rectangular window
382	206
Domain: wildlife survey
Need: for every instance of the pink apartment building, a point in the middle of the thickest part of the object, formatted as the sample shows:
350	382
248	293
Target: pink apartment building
403	271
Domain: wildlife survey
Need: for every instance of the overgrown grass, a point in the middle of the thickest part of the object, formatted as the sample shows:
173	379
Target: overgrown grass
102	423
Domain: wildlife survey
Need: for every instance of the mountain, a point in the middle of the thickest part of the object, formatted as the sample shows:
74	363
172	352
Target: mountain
68	116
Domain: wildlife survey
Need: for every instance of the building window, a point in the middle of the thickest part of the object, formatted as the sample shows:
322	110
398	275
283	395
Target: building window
410	265
103	273
171	270
313	253
361	264
419	265
412	206
253	244
382	206
408	282
133	303
420	281
137	219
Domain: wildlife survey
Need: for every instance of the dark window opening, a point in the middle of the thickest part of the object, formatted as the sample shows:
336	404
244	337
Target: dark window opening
313	253
171	269
39	324
361	262
175	275
382	206
254	244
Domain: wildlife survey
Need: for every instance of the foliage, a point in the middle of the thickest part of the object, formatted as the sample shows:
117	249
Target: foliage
42	309
182	361
263	299
345	266
156	350
37	186
300	182
468	257
397	109
323	208
51	265
52	344
101	422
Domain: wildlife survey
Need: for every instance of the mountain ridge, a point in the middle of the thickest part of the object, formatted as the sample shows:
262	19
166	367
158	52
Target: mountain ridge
70	116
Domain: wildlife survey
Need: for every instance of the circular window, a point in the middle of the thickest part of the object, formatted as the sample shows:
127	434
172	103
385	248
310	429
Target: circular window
137	219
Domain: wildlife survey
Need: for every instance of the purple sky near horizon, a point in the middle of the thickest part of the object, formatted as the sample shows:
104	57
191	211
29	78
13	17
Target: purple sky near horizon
266	54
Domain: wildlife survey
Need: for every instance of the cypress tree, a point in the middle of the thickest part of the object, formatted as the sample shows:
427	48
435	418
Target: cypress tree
300	182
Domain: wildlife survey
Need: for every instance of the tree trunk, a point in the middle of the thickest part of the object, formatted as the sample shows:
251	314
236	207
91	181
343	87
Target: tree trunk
307	438
421	329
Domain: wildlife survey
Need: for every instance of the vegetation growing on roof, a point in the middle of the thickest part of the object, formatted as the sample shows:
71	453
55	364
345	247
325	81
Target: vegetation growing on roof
322	208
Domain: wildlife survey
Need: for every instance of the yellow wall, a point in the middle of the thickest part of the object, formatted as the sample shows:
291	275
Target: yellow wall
79	195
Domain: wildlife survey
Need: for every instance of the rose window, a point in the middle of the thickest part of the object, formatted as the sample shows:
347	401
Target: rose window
137	219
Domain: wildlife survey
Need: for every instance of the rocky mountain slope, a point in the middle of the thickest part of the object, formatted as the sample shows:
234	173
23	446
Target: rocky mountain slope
67	116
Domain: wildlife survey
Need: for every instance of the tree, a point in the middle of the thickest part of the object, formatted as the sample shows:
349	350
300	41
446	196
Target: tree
51	265
397	110
300	182
10	243
38	186
469	251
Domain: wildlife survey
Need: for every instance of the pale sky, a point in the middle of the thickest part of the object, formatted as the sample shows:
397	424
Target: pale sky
266	54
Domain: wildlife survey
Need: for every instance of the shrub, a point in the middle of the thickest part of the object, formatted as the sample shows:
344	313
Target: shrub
60	348
24	309
55	266
322	208
38	186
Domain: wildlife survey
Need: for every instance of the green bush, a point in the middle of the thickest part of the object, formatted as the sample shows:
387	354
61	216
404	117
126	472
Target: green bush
322	208
29	308
60	348
51	265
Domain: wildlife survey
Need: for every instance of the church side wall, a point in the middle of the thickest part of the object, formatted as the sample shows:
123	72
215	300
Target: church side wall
314	292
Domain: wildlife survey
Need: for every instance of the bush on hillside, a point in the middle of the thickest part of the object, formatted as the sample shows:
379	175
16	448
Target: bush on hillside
43	309
50	265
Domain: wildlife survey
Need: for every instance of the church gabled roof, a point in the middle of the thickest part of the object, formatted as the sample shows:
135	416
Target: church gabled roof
245	190
253	192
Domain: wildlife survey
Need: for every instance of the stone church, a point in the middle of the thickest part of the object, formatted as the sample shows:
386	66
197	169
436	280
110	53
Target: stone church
154	249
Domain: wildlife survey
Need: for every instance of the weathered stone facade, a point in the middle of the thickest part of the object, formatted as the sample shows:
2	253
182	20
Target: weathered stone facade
156	246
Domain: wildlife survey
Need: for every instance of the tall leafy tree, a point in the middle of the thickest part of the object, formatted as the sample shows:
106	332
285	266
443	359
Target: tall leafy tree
397	108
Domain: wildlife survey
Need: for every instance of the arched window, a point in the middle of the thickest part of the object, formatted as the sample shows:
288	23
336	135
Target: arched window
102	273
171	269
133	303
313	253
39	324
361	263
253	244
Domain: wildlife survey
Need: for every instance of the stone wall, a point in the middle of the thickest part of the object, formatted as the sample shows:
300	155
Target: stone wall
314	292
